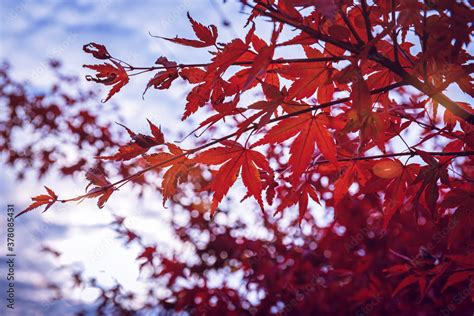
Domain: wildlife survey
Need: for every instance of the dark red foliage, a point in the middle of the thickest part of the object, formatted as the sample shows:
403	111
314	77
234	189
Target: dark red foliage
359	124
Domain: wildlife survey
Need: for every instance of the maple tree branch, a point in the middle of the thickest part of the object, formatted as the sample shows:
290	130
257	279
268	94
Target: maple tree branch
453	78
434	94
278	16
428	126
455	154
365	14
396	68
351	28
276	119
244	63
394	34
424	40
216	141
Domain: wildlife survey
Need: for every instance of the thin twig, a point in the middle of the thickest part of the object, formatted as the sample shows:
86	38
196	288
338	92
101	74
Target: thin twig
366	15
247	63
216	141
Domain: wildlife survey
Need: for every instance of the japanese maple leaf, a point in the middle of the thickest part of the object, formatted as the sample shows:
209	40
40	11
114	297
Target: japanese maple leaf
177	172
233	157
212	88
462	221
349	172
396	191
299	194
407	281
266	108
309	130
44	199
261	60
102	188
342	184
163	79
109	74
201	93
428	177
223	110
233	51
193	74
174	268
309	77
302	38
456	278
327	7
147	254
207	35
139	144
270	76
97	50
371	124
269	185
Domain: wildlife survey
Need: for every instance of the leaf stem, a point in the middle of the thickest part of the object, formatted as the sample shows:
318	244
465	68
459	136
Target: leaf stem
410	153
282	117
245	63
394	67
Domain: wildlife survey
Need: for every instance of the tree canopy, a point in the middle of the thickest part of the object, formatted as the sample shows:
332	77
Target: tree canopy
343	109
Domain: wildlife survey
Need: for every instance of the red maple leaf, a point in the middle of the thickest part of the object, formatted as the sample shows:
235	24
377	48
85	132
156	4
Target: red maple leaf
207	35
163	79
139	144
310	130
110	75
234	158
44	199
177	172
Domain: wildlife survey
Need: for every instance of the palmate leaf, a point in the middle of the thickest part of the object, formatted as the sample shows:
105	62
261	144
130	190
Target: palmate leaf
310	130
178	168
163	79
44	199
300	195
102	189
139	144
109	74
207	35
387	168
234	159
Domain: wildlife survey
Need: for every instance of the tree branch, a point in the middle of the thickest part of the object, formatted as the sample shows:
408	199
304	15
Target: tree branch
396	68
275	14
414	153
394	34
439	97
244	63
366	15
216	141
351	28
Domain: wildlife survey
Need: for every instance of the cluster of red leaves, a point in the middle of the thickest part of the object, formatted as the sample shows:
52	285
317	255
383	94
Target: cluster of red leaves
31	119
39	129
139	144
322	134
352	260
343	153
